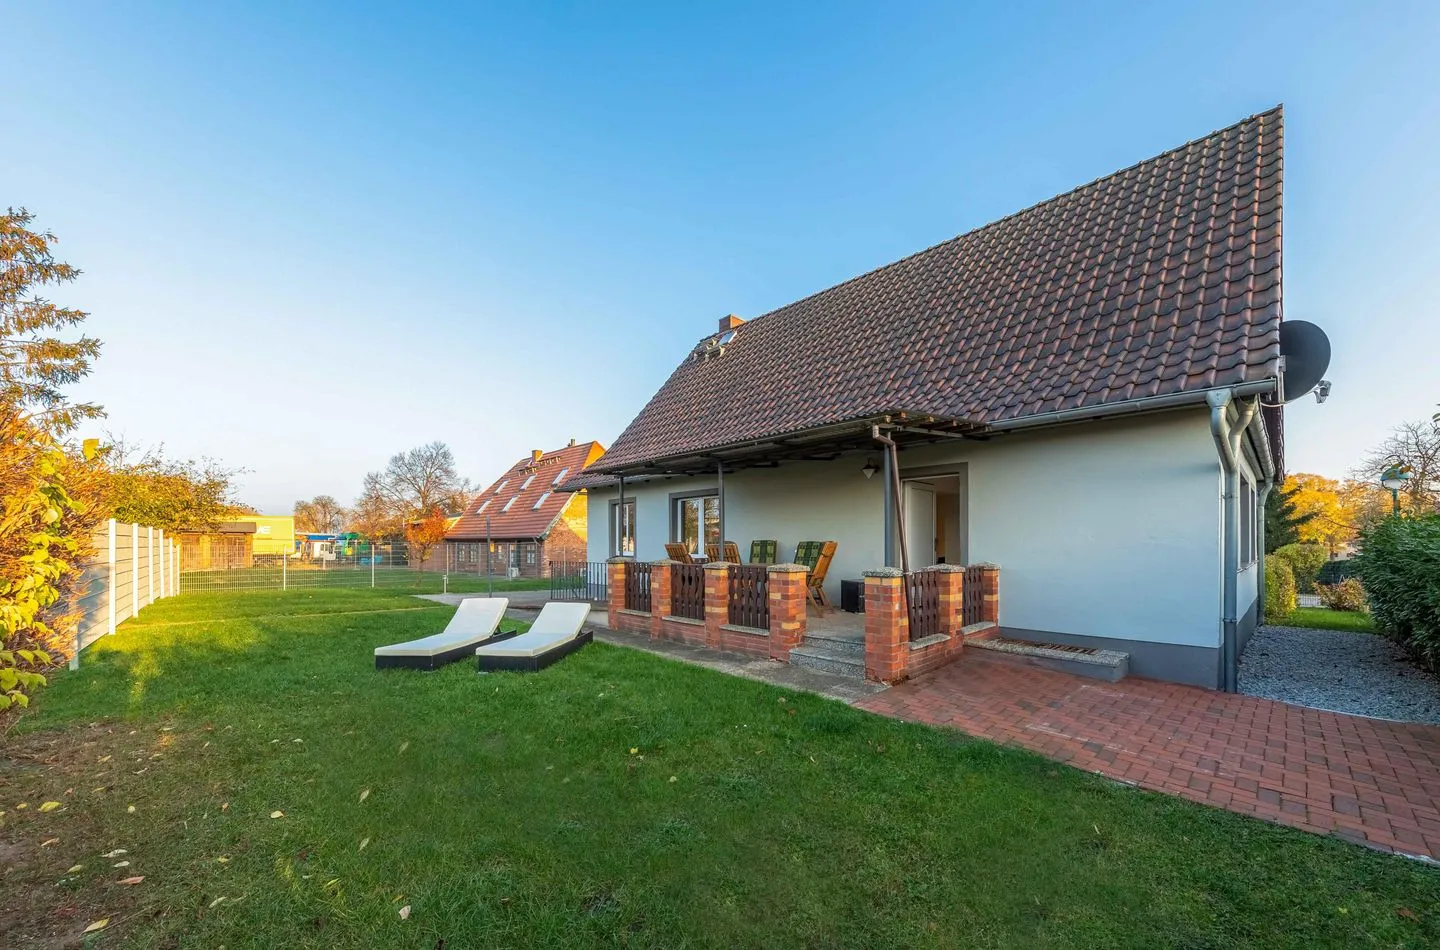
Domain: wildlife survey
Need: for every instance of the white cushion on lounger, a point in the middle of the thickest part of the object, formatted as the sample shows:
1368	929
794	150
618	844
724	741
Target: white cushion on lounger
474	620
556	624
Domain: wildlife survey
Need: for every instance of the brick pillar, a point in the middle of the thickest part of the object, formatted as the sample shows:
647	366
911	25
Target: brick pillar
717	602
659	594
615	599
887	625
989	591
787	608
952	604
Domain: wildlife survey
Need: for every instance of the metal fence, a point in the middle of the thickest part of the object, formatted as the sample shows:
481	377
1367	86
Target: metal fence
361	564
579	580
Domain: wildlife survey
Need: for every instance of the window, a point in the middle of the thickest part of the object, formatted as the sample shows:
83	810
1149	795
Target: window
507	505
1247	523
697	522
483	505
622	528
530	553
540	501
501	487
560	478
526	483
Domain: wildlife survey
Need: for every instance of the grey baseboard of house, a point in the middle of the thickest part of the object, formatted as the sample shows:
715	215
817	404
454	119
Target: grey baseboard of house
1249	623
1173	662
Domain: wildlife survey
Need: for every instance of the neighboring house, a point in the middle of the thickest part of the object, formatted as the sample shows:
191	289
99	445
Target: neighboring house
522	522
1073	391
243	541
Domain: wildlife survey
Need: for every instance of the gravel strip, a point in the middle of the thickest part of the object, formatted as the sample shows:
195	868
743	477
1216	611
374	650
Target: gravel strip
1359	673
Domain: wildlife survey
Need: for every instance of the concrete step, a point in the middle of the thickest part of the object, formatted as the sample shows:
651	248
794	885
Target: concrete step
1108	665
849	646
829	661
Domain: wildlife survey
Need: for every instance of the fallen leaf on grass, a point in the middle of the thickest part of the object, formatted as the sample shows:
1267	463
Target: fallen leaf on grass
98	925
49	806
364	843
216	902
105	758
405	912
403	746
1407	913
130	809
133	880
121	864
47	843
78	867
365	794
223	860
277	813
114	854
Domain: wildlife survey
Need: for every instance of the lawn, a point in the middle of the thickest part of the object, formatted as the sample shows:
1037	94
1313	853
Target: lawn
1323	618
273	790
350	576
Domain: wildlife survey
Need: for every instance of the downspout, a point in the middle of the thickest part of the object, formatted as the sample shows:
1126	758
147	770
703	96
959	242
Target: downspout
1227	443
720	503
620	520
894	511
889	512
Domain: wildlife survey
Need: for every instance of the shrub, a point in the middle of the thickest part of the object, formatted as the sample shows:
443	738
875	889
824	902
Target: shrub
1400	568
1279	588
1333	572
1305	560
1349	594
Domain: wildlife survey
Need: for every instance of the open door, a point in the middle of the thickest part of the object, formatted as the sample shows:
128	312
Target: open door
919	524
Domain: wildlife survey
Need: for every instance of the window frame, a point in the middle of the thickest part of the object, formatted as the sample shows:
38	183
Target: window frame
616	536
677	528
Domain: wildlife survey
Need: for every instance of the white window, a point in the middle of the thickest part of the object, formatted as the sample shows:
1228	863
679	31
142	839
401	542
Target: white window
622	527
509	503
561	477
501	487
540	501
483	505
526	483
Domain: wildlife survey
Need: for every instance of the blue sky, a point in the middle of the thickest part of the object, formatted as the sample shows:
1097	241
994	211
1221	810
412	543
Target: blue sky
316	235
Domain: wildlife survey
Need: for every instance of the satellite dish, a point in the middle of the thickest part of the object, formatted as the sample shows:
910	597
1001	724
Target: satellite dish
1306	349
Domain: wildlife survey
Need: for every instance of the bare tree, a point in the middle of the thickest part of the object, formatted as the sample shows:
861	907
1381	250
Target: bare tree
1415	447
321	514
417	482
372	519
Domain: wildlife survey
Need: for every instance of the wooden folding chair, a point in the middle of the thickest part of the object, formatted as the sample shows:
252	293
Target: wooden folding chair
732	552
763	552
676	551
816	555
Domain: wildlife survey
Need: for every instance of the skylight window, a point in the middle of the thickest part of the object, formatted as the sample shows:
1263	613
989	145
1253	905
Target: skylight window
501	487
483	505
561	477
540	501
509	503
526	483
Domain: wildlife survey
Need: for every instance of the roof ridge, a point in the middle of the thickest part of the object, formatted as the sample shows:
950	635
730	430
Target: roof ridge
1277	108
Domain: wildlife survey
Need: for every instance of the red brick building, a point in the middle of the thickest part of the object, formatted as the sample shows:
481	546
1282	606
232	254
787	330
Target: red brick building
524	516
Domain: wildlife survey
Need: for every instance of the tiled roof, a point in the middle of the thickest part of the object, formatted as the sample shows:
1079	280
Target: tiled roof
511	500
1157	280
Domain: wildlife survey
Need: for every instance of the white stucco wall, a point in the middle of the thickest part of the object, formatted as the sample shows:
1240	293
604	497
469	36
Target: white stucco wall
1107	529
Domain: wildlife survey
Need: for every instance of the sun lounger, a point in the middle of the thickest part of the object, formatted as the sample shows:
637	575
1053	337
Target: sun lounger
555	634
475	622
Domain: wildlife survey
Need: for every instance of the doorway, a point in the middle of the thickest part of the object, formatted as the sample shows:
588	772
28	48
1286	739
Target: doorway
936	529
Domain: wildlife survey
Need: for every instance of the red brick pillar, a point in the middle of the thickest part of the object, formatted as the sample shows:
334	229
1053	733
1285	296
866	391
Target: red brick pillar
887	625
659	594
989	591
717	602
615	590
952	604
787	608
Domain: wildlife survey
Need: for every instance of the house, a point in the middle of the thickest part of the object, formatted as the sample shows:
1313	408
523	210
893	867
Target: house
243	541
522	522
1085	393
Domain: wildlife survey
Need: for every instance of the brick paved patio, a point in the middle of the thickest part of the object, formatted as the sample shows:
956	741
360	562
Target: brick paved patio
1369	781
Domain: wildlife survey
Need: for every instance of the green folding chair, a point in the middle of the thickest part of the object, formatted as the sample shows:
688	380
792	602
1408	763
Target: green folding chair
763	552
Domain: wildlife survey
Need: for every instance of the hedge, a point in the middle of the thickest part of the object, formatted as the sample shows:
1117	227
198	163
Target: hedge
1400	568
1279	589
1305	560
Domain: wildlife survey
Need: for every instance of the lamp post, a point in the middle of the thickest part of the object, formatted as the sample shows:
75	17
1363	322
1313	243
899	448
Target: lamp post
1395	478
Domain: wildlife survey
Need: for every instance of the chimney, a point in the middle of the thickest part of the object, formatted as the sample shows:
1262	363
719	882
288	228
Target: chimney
572	443
535	455
730	322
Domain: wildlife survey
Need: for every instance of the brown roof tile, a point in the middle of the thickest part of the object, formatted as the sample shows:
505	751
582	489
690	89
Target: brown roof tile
522	519
1159	279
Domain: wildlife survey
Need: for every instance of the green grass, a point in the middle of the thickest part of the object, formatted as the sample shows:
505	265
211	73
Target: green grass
615	799
1322	618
